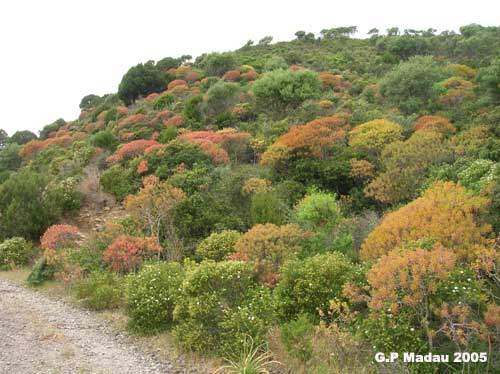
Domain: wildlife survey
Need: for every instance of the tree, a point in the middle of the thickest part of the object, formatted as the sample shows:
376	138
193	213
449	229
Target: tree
489	79
153	207
90	101
446	213
410	84
300	35
140	80
22	137
3	138
9	157
218	63
266	40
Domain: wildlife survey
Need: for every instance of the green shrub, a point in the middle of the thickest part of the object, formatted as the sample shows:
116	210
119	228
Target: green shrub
151	295
42	271
168	134
280	90
296	337
252	318
163	101
210	290
410	85
105	139
120	182
101	290
307	286
15	251
30	202
268	207
218	245
88	257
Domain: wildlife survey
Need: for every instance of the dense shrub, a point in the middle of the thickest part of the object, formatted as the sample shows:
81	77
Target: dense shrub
218	246
280	90
15	252
101	290
120	182
410	84
105	139
209	291
151	295
309	285
29	203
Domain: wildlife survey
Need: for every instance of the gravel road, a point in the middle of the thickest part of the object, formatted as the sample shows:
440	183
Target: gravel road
40	335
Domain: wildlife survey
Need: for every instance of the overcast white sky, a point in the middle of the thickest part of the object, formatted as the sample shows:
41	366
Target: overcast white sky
54	52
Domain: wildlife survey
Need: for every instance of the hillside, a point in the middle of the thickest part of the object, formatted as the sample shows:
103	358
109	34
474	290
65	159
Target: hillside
318	200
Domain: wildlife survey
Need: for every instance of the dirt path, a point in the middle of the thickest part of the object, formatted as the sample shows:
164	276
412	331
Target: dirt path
40	335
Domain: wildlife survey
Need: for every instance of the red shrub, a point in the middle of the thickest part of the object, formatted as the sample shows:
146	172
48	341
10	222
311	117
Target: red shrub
192	76
132	149
250	75
175	121
131	120
232	76
123	110
143	167
126	252
151	97
296	67
438	124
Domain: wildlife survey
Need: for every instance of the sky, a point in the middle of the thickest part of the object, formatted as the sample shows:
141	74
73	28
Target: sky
54	52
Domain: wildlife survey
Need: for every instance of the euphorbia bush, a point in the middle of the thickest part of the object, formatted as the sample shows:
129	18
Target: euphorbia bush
126	253
268	247
58	236
151	295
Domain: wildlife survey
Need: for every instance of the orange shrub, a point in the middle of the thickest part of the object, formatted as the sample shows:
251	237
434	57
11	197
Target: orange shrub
130	150
176	83
268	247
316	138
175	121
435	123
446	213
